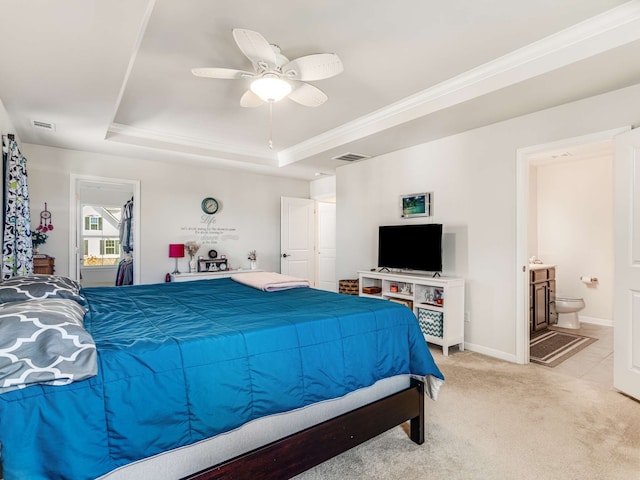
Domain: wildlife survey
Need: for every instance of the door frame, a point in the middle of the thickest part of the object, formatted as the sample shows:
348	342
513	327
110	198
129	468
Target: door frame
75	219
319	250
523	156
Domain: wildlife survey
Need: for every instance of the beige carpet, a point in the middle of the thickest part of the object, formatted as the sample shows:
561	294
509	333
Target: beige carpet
497	420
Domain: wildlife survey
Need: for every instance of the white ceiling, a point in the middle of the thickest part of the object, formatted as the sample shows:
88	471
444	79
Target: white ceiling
114	75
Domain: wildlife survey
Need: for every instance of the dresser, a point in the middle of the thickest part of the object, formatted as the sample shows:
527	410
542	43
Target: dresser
44	265
189	277
437	302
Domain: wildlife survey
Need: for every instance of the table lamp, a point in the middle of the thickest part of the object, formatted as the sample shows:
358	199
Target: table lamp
176	250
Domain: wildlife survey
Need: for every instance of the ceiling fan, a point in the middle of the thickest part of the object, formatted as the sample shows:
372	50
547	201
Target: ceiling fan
275	76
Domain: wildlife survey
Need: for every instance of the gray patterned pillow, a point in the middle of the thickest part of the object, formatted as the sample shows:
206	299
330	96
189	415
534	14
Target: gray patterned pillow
31	287
44	342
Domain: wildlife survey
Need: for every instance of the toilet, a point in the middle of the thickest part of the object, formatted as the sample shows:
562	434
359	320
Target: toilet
567	309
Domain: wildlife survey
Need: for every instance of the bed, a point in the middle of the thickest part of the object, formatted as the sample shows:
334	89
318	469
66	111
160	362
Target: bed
216	373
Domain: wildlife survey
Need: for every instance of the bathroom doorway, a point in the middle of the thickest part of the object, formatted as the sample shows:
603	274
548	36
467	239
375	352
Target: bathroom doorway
557	158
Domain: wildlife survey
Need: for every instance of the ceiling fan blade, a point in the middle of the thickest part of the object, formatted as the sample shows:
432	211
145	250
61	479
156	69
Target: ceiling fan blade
254	46
250	99
223	73
308	95
313	67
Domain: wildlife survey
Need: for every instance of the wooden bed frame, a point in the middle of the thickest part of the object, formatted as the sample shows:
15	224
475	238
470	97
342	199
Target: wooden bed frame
296	453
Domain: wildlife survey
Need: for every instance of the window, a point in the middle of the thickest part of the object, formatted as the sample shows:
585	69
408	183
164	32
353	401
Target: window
110	247
100	236
92	222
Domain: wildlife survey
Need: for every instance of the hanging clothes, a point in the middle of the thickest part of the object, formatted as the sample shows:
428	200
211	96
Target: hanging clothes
126	230
17	249
124	274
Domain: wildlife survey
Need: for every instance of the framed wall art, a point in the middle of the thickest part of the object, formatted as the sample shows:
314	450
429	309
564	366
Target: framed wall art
417	205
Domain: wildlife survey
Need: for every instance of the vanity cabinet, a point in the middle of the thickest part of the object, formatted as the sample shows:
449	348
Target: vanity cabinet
542	297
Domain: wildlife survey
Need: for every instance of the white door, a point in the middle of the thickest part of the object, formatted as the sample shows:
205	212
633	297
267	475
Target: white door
626	308
297	237
326	257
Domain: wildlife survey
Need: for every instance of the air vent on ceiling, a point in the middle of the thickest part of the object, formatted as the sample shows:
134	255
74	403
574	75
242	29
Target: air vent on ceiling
44	125
351	157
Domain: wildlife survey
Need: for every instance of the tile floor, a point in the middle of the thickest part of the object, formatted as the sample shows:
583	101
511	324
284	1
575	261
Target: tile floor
595	362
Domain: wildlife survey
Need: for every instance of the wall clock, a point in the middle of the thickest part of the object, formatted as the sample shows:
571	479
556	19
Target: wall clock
209	205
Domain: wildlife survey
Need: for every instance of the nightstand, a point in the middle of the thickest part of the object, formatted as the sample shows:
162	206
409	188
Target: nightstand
44	265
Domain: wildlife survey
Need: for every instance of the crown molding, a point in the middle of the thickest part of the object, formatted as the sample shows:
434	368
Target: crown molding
118	132
611	29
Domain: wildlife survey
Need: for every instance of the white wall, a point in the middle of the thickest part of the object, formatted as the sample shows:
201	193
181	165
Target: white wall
170	206
324	189
575	229
6	127
473	177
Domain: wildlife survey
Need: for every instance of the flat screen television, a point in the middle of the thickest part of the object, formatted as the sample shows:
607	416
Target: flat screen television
411	247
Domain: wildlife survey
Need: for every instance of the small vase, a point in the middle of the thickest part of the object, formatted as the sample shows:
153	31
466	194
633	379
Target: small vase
192	265
253	265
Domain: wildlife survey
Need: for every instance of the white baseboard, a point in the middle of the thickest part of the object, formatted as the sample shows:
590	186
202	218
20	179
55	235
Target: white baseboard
596	321
490	352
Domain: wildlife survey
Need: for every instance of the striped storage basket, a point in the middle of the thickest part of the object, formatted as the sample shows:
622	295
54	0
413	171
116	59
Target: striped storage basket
430	322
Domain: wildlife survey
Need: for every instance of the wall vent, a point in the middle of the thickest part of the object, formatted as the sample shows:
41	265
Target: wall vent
44	125
351	157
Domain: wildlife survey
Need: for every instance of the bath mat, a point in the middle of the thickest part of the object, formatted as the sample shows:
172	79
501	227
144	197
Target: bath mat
551	347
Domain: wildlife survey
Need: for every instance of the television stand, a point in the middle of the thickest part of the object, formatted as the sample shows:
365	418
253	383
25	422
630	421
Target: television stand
384	269
436	274
438	303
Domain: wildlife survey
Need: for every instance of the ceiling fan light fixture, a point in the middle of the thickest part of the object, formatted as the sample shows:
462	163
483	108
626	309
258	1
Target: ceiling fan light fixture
270	88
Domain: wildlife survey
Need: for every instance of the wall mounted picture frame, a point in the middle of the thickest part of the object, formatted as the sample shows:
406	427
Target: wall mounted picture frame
416	205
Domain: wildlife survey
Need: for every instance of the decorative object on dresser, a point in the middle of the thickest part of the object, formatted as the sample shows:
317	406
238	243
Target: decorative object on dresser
438	303
38	238
44	265
213	265
253	264
176	250
192	248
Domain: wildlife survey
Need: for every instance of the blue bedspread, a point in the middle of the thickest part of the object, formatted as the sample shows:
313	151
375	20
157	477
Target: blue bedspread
181	362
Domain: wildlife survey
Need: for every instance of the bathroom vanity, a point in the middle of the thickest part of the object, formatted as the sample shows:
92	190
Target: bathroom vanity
542	296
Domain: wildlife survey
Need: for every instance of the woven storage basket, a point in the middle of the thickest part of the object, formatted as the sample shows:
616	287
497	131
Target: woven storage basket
430	322
350	287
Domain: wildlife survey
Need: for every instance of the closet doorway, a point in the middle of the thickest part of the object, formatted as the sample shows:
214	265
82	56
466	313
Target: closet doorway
97	247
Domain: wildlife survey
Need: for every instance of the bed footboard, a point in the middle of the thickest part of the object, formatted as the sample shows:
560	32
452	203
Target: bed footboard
303	450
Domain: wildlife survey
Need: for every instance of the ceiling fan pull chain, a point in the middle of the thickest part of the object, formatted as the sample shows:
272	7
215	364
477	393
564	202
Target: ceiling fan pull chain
270	125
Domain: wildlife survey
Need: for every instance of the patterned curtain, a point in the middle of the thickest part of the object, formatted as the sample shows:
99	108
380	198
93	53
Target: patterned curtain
17	249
